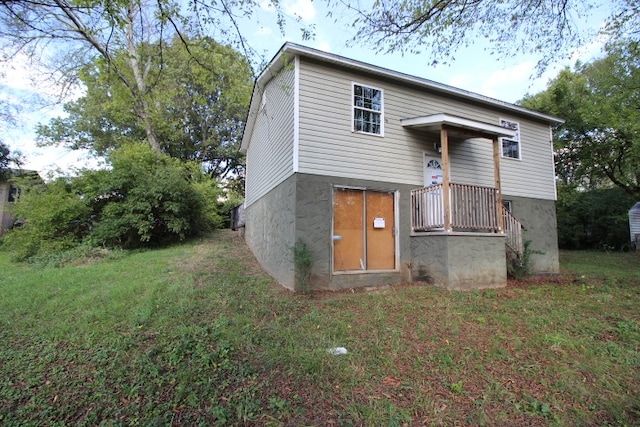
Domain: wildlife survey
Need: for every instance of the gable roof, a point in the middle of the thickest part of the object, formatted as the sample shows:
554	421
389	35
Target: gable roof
290	50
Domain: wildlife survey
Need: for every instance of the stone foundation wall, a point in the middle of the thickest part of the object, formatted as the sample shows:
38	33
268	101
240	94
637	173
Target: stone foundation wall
539	220
461	261
314	210
301	207
270	231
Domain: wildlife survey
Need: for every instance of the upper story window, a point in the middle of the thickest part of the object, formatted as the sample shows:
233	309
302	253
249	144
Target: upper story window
367	109
511	146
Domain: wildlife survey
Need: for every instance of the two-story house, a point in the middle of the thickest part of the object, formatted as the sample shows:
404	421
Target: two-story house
391	178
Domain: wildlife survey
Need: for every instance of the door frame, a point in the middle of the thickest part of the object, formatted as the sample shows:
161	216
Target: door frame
396	229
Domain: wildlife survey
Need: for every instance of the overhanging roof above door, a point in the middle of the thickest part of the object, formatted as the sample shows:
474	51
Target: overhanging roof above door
457	125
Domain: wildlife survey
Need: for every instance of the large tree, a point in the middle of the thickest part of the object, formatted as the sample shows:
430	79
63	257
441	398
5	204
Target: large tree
599	143
128	36
546	28
198	112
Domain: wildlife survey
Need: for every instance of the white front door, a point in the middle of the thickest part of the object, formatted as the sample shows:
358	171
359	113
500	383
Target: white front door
432	170
434	203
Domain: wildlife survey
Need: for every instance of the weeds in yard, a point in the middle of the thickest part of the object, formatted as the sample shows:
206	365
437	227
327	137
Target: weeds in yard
303	262
197	334
520	267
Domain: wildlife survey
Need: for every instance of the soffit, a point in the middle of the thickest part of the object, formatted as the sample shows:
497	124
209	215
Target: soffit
458	126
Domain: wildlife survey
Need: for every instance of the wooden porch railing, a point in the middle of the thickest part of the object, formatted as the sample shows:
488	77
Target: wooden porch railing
513	232
427	208
473	208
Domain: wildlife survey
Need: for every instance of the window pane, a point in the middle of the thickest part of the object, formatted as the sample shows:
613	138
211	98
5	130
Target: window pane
367	121
376	100
367	116
510	148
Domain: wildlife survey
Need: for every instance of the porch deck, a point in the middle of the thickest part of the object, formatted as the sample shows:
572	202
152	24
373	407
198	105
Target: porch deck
469	208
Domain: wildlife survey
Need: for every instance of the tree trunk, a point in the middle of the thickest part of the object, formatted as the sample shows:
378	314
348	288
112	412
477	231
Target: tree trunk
142	106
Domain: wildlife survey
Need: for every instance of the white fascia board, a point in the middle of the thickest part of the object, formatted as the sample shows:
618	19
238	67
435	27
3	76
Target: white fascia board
437	120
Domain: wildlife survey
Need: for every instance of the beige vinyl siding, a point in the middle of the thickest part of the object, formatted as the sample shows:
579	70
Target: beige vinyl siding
329	147
270	150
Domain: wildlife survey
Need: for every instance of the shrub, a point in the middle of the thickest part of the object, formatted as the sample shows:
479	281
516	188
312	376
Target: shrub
593	219
145	199
520	267
54	219
149	199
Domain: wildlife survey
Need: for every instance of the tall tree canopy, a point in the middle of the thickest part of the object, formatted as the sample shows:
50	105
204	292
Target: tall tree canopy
128	36
599	143
198	112
547	28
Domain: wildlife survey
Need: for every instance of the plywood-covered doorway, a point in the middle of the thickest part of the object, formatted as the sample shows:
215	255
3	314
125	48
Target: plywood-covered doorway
363	230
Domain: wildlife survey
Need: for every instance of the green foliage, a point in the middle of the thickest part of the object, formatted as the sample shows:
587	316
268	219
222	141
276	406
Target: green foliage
197	100
599	143
520	267
145	199
593	219
533	406
148	199
303	261
438	29
197	334
5	159
55	219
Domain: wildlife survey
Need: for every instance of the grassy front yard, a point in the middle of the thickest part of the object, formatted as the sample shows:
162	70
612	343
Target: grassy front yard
197	334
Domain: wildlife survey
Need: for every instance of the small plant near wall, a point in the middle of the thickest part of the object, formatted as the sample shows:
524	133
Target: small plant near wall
303	261
520	267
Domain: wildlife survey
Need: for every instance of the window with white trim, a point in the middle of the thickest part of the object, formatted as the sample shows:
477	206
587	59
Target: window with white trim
511	145
367	109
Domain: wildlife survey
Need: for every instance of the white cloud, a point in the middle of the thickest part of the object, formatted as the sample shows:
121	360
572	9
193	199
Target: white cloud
323	46
303	9
509	84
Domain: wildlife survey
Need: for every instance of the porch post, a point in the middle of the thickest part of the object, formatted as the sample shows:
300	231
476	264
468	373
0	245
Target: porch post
496	179
444	144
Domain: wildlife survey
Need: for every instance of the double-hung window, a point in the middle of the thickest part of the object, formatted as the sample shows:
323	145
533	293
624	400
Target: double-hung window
367	109
511	145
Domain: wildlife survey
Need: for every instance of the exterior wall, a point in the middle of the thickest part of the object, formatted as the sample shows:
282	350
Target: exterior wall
270	151
270	231
6	220
459	261
301	208
539	220
314	209
329	147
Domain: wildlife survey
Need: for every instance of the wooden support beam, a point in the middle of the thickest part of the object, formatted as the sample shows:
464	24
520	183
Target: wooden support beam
446	179
496	181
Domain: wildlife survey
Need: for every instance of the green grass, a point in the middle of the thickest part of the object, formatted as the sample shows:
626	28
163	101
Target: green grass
198	335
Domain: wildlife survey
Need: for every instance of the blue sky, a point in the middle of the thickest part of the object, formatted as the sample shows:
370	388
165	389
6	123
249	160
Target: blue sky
507	79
